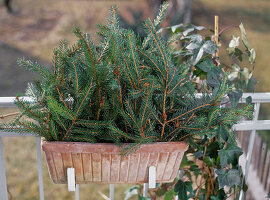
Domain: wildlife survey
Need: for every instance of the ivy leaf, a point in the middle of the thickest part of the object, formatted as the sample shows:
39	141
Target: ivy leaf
198	154
206	65
249	100
185	162
198	56
228	177
209	47
244	36
169	195
130	192
213	72
224	133
221	195
193	46
251	84
251	55
176	28
208	161
195	169
212	150
143	198
181	189
235	96
229	155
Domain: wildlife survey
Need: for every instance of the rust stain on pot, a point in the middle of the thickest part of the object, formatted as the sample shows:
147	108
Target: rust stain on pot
102	163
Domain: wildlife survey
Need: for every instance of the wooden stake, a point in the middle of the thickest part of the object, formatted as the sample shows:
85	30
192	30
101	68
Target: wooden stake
216	32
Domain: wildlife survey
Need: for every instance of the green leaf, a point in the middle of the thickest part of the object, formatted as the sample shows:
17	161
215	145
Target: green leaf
169	195
251	55
229	155
206	65
251	84
224	133
235	96
143	198
244	35
198	154
228	177
185	162
221	195
212	150
181	189
208	161
132	191
194	168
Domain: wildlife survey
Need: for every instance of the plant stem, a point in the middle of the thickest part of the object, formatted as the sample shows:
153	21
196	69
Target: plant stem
9	115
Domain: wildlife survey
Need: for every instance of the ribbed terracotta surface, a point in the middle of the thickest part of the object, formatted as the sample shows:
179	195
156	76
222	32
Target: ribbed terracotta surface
101	163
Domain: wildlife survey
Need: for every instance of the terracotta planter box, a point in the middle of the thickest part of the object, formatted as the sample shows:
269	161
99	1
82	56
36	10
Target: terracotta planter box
101	163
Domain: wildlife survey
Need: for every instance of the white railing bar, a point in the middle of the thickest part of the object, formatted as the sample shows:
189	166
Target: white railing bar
15	134
258	97
250	146
3	178
111	191
252	125
40	177
77	194
9	101
263	97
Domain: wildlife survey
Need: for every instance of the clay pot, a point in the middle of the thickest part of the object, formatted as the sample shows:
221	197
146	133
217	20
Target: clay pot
102	162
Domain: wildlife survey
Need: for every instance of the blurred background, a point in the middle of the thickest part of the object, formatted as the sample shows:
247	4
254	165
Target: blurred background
33	28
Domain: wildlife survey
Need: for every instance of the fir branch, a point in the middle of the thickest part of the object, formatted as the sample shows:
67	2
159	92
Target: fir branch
34	67
161	52
134	60
103	51
63	111
75	117
132	84
153	63
176	85
89	51
76	76
28	110
204	105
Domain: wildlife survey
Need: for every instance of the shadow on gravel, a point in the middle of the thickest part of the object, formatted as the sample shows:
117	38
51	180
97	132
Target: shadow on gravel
14	78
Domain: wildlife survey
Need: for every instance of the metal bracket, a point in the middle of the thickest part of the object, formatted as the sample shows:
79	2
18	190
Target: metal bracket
152	177
71	179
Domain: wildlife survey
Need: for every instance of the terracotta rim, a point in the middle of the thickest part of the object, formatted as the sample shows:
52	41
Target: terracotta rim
111	148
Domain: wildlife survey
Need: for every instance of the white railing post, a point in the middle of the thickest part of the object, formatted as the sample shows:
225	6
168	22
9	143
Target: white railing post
3	179
111	191
77	196
145	189
40	177
250	146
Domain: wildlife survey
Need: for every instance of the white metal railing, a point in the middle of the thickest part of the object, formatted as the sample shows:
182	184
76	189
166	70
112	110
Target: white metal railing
253	125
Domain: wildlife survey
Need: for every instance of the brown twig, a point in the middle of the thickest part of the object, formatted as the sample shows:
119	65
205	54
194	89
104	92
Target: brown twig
9	115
